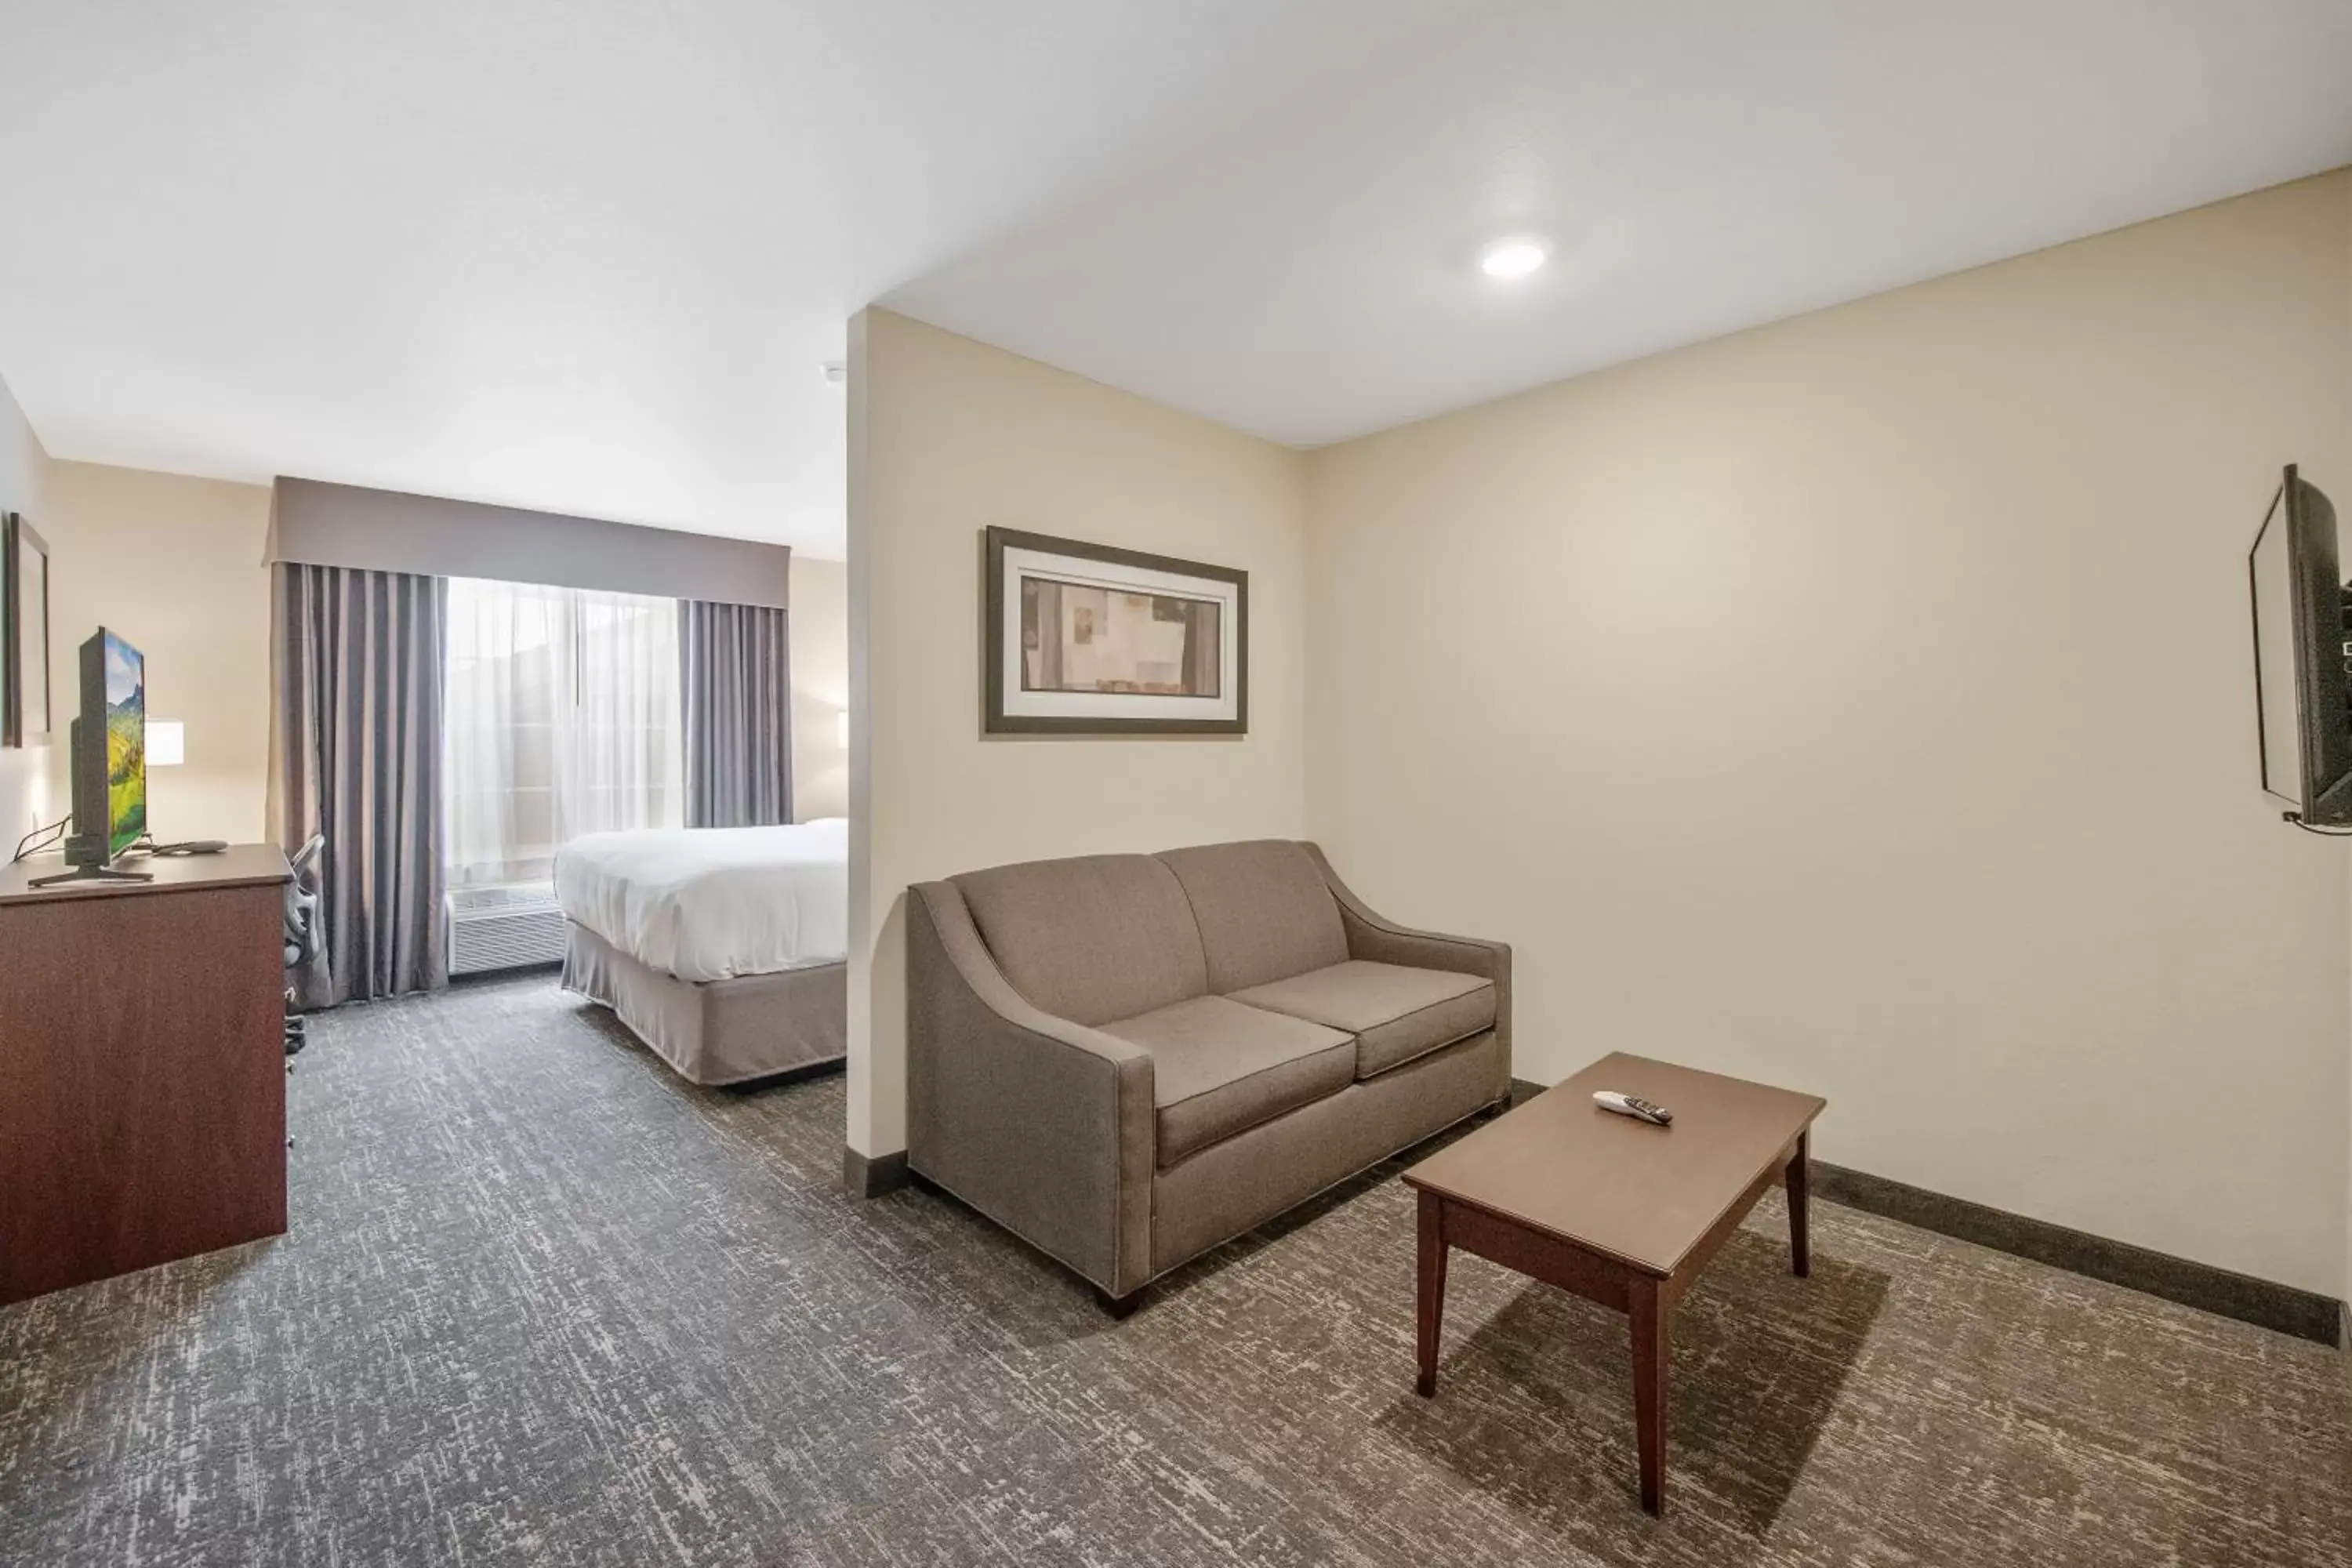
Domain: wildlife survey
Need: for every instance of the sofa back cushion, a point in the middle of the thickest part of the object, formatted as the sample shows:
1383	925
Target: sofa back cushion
1092	939
1264	910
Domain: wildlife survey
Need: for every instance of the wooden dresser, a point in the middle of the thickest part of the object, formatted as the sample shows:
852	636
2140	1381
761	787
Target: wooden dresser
142	1073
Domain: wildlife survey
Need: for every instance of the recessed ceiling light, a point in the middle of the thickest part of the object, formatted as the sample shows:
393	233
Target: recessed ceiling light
1513	257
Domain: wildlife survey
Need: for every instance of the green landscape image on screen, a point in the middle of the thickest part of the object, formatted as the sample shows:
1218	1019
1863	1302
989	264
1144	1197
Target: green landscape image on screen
126	745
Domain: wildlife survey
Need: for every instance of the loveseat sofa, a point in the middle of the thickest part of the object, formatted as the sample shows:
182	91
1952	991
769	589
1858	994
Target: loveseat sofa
1126	1059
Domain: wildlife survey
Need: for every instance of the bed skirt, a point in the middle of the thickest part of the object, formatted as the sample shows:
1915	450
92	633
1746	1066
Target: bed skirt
720	1031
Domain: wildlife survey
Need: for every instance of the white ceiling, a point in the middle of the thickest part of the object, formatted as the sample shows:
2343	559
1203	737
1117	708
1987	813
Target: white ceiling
1700	168
589	255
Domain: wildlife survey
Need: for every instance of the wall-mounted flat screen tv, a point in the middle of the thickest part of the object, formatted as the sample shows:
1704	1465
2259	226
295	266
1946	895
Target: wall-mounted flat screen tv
2301	650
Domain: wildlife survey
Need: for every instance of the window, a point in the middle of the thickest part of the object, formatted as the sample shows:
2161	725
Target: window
561	717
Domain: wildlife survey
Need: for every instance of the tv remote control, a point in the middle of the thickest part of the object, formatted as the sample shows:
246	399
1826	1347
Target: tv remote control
1634	1106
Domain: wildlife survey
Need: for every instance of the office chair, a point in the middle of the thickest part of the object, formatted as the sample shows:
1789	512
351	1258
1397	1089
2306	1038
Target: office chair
301	930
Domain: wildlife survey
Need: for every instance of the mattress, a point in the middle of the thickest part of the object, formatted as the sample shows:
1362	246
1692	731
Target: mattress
713	903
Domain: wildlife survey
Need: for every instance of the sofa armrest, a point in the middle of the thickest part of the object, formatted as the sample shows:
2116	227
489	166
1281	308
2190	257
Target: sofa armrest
1382	940
1043	1125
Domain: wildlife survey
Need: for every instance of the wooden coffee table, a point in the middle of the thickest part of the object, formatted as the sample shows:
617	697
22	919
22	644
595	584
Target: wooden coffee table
1614	1209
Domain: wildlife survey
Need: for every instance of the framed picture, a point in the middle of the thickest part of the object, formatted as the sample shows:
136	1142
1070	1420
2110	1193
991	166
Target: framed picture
25	716
1082	640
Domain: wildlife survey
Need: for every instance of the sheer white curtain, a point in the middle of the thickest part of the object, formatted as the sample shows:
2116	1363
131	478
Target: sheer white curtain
561	718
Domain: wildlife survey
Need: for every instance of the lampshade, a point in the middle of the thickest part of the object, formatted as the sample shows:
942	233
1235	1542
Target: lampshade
841	729
166	742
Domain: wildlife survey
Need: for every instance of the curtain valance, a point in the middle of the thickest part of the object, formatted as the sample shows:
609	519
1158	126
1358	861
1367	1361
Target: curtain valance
313	523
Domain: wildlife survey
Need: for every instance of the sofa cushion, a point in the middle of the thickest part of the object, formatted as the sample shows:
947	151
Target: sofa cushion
1264	910
1218	1067
1098	937
1396	1014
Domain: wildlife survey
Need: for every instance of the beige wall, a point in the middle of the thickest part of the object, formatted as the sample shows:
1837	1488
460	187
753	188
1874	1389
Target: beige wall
820	622
1863	703
948	436
174	565
25	799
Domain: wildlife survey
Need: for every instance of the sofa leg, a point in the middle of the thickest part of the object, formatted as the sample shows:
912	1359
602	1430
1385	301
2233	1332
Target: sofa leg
1120	1308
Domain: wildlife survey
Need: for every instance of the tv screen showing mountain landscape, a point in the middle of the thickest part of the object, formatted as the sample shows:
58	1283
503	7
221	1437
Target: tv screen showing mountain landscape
126	744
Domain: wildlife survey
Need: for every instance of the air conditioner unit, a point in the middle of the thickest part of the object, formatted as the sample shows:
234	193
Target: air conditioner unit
506	927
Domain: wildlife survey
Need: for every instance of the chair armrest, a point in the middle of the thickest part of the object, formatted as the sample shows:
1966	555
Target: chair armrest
1382	940
1045	1126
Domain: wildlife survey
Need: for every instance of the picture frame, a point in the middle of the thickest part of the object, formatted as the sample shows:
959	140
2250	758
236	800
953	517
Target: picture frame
26	693
1089	639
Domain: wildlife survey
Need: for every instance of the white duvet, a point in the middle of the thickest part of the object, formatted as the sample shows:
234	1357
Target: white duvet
710	903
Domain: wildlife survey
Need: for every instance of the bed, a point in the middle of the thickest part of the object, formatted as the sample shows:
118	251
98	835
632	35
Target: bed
724	949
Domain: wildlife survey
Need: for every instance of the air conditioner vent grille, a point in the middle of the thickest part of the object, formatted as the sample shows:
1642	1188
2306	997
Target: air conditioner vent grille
504	928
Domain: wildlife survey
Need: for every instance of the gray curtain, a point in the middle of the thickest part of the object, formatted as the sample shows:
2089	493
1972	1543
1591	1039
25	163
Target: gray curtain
356	737
736	664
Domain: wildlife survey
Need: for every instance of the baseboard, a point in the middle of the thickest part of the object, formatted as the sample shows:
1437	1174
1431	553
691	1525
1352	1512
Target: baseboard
2302	1313
870	1178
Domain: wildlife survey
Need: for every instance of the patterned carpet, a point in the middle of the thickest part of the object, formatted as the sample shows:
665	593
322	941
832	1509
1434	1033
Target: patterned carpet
543	1303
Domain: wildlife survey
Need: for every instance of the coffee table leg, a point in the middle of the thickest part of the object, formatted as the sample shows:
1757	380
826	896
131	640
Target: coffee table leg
1800	1251
1432	1292
1650	1354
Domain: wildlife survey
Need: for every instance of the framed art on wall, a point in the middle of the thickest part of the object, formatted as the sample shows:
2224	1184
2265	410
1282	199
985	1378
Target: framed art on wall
25	691
1085	640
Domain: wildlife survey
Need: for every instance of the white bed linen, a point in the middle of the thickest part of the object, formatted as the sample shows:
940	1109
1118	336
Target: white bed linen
712	904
